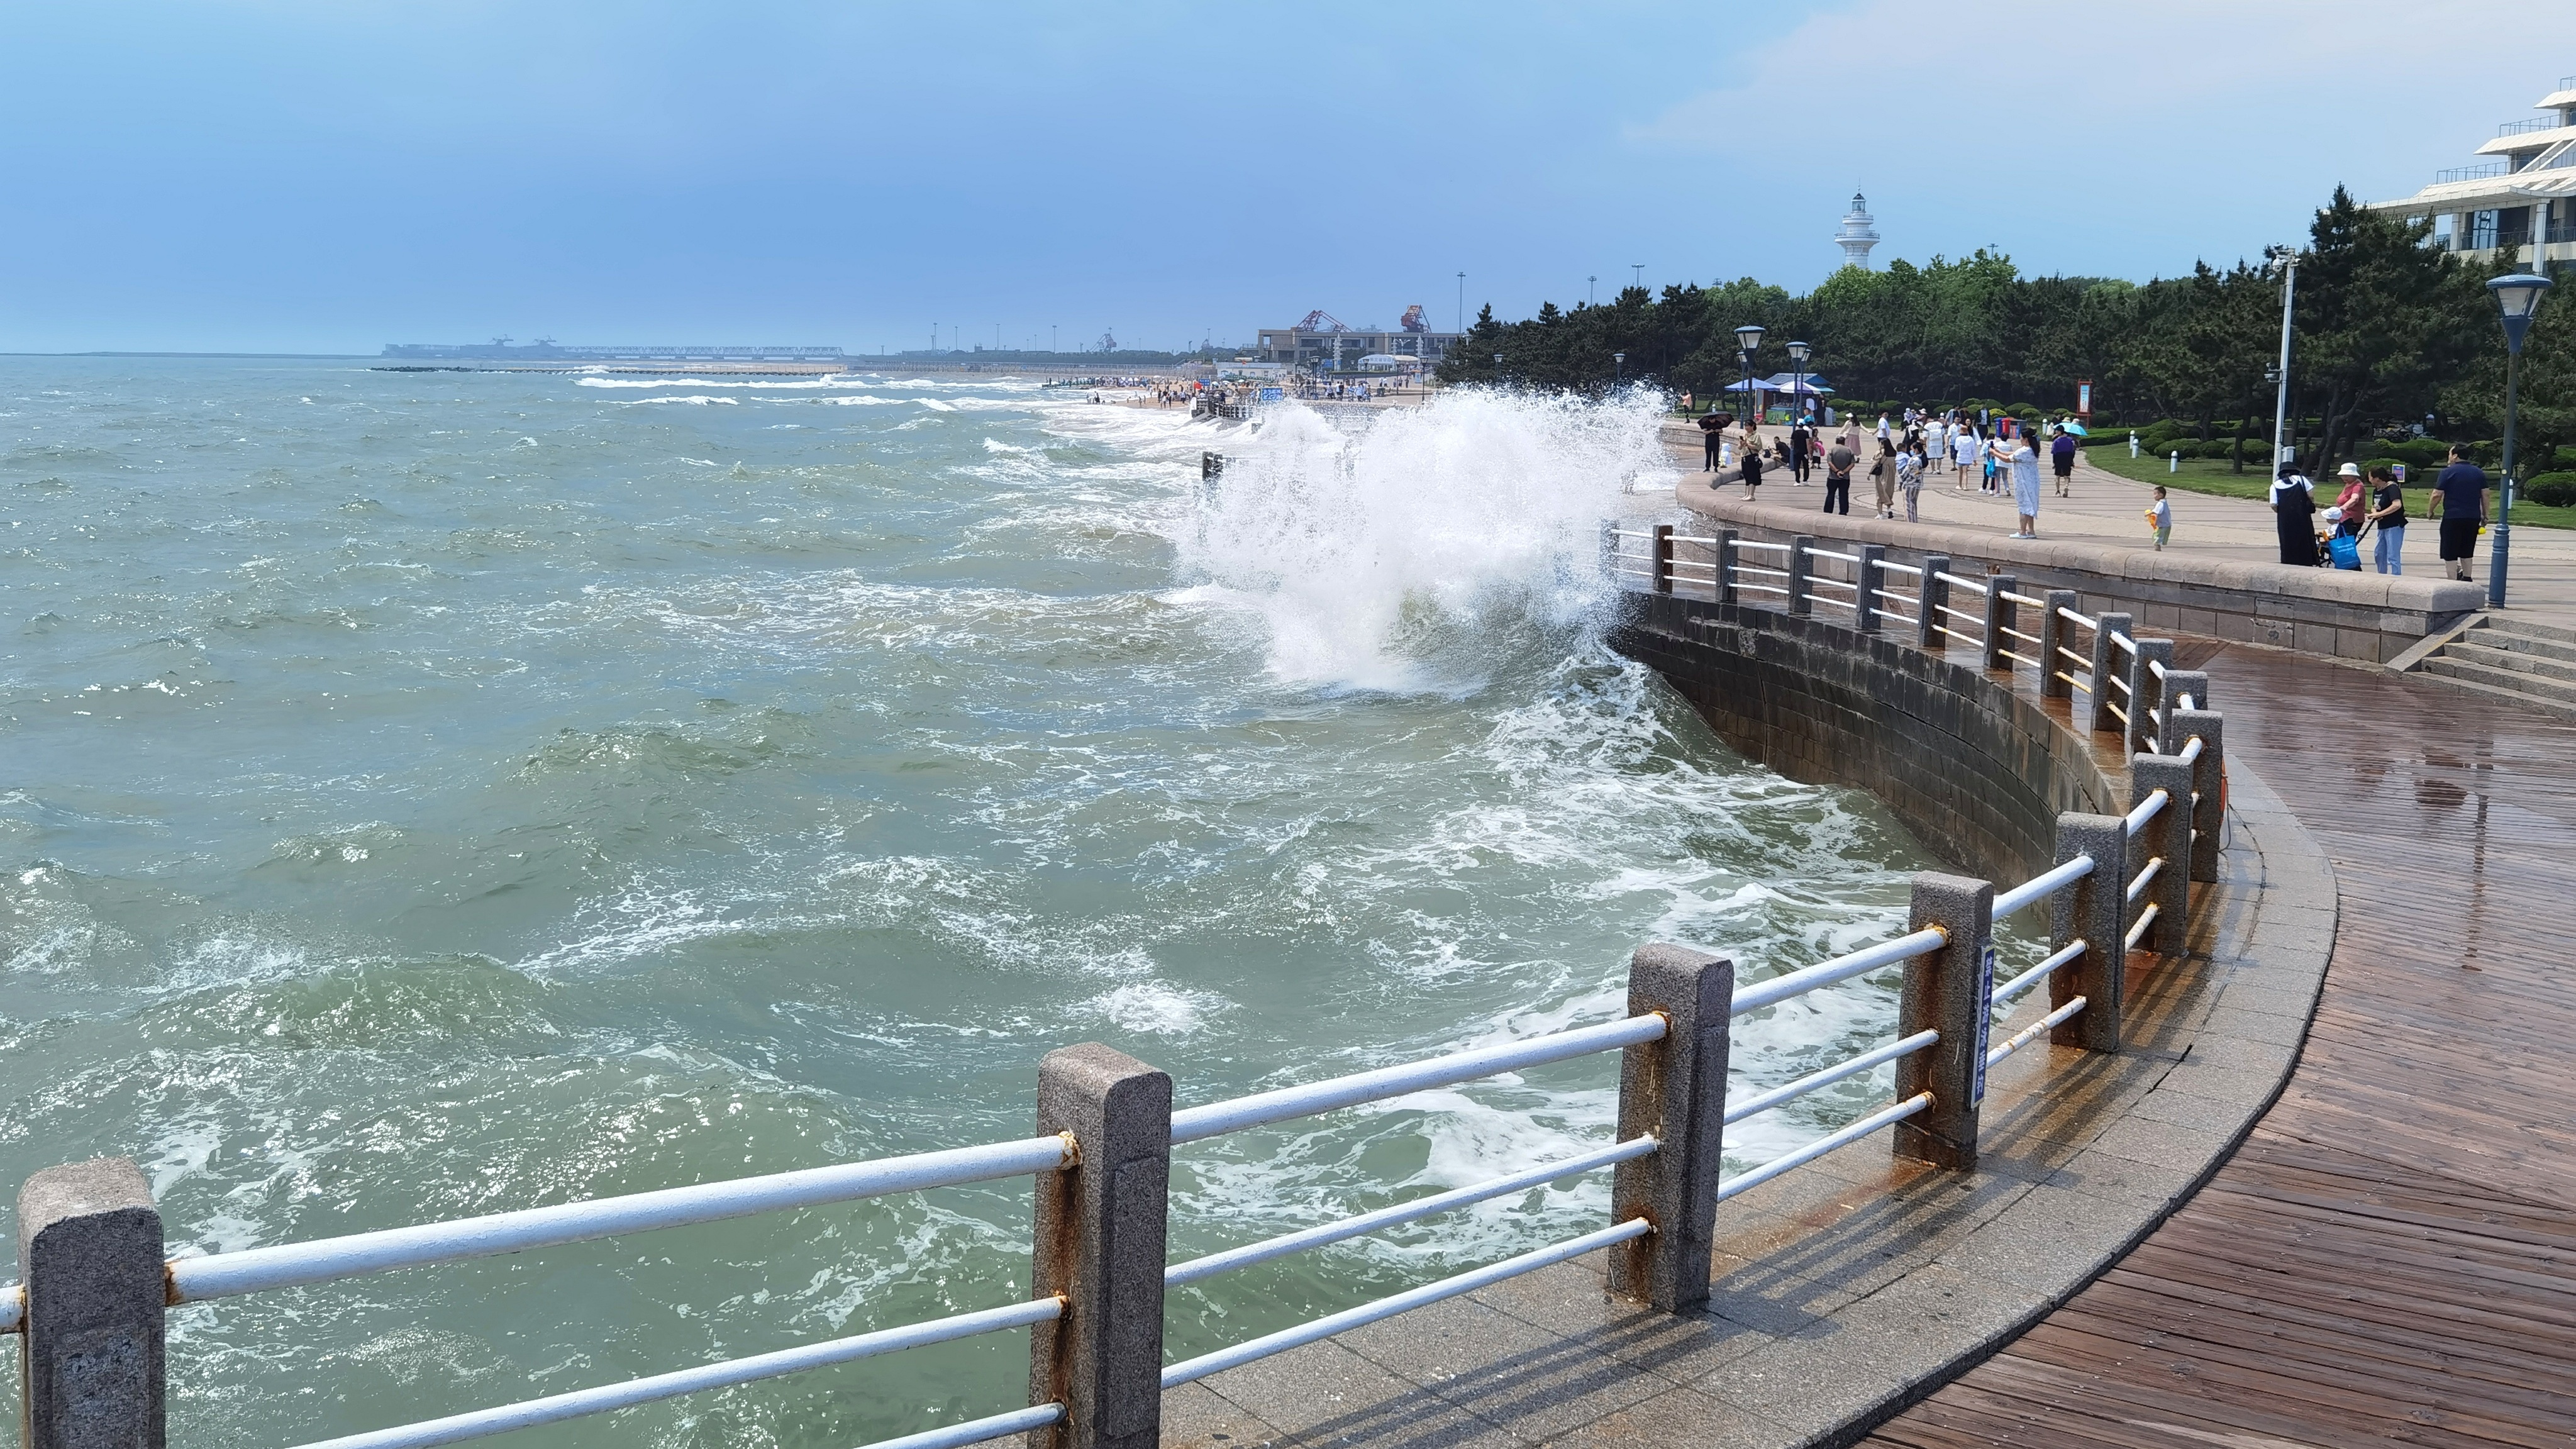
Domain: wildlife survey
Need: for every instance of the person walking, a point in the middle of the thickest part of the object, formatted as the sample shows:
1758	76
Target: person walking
2388	510
1882	472
2460	501
1838	471
1963	455
1909	476
1799	439
2023	461
2294	505
2061	456
2160	519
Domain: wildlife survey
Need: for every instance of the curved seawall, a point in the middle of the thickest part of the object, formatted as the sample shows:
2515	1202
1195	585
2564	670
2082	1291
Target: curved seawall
1978	771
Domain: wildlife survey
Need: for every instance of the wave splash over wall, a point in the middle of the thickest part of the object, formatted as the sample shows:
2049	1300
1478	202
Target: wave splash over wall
1379	551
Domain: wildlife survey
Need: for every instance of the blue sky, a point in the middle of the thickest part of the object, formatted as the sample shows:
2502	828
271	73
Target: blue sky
307	176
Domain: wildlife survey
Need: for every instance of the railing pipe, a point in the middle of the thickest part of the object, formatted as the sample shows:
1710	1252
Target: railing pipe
1788	1092
1841	968
1193	1124
2048	882
1885	1117
287	1265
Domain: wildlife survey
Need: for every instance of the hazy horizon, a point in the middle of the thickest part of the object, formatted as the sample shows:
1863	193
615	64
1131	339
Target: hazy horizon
298	178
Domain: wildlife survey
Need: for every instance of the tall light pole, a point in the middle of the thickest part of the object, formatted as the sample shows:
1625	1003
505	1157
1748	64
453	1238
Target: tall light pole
1498	369
1621	359
1798	354
1462	302
2517	297
1640	269
1588	284
1747	338
2289	261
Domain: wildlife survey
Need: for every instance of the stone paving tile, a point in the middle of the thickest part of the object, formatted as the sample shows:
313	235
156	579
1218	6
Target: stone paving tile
1533	1384
1196	1417
1680	1347
1324	1394
1676	1416
1807	1393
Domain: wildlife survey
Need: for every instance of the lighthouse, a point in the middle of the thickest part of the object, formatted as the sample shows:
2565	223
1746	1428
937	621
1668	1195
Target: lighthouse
1857	235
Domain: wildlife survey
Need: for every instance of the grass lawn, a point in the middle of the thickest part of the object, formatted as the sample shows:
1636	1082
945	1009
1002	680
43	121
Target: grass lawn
2208	475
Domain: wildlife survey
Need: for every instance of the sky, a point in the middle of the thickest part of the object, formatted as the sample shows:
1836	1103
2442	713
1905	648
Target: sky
330	177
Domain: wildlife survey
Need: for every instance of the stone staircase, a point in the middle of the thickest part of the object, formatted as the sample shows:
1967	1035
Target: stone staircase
2512	658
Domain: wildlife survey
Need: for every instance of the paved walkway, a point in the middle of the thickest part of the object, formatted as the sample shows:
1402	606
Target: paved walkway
2391	1256
2106	508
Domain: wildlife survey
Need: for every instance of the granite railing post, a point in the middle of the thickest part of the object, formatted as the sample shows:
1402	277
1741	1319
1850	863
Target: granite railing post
2095	909
1610	549
2167	837
1950	991
1801	561
1100	1244
2054	631
1674	1089
1663	558
2108	661
1726	561
91	1358
1928	603
2180	684
2147	691
2208	783
1999	617
1865	579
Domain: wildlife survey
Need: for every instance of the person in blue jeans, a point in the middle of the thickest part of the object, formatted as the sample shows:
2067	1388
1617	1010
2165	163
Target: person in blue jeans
2388	510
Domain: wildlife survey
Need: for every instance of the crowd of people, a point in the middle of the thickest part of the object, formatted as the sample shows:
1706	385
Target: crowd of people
1993	455
2001	452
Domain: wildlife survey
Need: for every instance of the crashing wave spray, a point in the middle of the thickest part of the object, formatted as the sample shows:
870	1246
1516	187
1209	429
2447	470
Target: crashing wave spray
1359	546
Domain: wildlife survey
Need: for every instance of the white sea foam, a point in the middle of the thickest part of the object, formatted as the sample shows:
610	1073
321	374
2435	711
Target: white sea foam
1344	541
699	399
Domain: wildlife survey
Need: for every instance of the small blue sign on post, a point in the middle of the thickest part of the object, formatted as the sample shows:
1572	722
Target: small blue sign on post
1273	394
1985	1016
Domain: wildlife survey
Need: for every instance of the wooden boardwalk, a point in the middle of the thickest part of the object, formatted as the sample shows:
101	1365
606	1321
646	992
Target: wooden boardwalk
2391	1256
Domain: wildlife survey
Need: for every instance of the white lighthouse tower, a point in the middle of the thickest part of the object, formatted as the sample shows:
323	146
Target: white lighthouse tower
1857	235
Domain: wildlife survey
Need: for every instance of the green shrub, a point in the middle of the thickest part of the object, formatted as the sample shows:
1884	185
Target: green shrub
2557	490
2567	458
2224	450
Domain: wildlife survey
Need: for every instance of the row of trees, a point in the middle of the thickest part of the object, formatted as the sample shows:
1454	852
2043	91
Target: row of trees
2388	330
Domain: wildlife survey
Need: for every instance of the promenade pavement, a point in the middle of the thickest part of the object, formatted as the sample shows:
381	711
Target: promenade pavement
2107	508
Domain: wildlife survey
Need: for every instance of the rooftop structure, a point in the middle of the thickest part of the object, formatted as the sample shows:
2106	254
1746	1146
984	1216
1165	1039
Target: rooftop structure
2518	204
1325	341
1858	234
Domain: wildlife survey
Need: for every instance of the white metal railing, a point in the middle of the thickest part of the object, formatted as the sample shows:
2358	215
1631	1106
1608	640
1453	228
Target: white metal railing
1849	558
2145	877
2043	885
1757	543
1894	567
1962	583
1886	1117
2076	619
1840	968
2137	819
2026	599
1786	1093
2125	642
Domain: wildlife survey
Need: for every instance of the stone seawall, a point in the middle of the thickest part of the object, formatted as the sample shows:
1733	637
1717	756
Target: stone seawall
1976	770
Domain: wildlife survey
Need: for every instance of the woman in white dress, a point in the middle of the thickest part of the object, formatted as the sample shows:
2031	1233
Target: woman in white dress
2023	460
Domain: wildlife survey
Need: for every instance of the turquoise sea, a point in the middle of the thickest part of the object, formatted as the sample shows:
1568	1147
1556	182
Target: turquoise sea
434	793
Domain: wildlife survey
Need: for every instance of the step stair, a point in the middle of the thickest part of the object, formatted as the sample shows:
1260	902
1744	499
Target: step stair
2510	658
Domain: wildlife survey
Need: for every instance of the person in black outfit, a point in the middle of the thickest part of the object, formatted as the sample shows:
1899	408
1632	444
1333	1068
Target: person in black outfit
1712	432
2294	509
1801	443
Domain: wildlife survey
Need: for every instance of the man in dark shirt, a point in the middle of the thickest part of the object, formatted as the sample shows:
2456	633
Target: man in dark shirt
1712	435
1838	471
2460	501
1801	443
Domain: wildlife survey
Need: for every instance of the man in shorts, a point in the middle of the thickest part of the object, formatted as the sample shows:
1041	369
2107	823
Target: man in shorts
2460	501
2061	456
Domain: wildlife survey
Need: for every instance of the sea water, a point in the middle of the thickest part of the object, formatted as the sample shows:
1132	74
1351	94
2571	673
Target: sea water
437	793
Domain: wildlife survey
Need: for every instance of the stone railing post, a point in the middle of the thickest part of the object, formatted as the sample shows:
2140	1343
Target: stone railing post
90	1253
2094	908
2147	691
2168	837
1801	563
2000	616
1663	558
1727	557
2208	783
1100	1241
2109	660
1950	991
2054	631
2180	684
1928	603
1610	549
1676	1090
1865	583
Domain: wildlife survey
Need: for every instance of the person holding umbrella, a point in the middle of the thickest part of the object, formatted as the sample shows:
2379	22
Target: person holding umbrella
2061	455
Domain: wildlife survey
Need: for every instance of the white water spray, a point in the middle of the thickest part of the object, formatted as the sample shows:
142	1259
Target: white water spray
1360	545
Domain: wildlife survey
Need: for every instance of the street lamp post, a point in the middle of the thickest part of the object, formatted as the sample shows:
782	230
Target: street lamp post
2289	261
1462	301
1589	295
1621	359
1798	353
2517	297
1498	369
1748	338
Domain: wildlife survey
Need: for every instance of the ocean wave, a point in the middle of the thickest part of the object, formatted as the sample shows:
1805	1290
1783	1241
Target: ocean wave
699	400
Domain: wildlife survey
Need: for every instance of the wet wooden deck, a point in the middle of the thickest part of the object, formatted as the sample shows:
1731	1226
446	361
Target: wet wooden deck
2391	1256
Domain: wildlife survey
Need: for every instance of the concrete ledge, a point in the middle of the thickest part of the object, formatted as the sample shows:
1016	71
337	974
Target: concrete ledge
2367	618
1851	1288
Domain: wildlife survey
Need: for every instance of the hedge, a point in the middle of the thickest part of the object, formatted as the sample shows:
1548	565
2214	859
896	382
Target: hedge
2557	490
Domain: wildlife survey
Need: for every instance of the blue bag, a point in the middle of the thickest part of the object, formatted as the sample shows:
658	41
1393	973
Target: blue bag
2345	550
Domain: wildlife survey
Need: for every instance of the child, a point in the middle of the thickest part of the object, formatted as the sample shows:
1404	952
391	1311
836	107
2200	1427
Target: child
2160	518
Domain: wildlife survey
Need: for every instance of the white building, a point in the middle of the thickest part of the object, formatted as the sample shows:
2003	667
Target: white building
2519	206
1857	235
